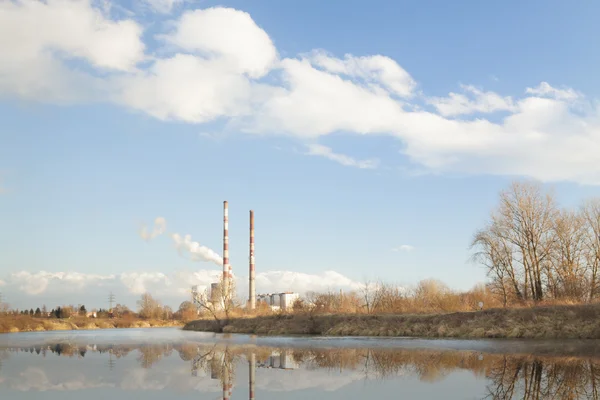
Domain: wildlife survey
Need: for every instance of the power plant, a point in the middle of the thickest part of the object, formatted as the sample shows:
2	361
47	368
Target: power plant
218	294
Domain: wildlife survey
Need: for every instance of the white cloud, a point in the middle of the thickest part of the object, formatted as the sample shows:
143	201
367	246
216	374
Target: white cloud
2	283
545	90
324	151
175	284
404	248
225	34
282	281
312	103
140	282
37	283
379	70
213	62
37	37
481	102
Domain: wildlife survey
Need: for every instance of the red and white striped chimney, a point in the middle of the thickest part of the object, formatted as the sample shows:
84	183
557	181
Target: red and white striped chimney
226	266
252	277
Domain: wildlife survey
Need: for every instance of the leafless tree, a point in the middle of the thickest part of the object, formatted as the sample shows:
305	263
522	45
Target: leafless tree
220	301
566	272
368	293
149	307
590	214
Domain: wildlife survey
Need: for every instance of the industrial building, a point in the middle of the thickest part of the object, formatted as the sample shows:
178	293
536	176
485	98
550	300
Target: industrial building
278	301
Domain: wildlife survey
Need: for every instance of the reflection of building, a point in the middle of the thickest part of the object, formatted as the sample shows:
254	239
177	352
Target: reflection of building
278	301
283	360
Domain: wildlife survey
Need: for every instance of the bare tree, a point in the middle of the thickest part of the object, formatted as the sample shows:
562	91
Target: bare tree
219	301
149	307
567	272
368	293
524	223
590	214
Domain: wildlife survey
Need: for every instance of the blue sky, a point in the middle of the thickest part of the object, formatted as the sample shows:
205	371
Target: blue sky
162	115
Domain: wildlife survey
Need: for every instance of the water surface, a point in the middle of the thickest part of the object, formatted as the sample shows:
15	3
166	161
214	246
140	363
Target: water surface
165	363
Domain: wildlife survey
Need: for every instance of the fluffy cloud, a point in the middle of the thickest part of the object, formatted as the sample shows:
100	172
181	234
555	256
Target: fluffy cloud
404	248
225	34
300	282
324	151
38	39
139	282
377	70
481	102
173	285
218	63
37	283
545	90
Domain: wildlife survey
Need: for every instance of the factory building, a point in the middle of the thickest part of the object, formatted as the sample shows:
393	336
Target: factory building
278	301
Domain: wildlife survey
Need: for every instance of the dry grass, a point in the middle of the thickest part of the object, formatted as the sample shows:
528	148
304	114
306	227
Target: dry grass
541	322
20	323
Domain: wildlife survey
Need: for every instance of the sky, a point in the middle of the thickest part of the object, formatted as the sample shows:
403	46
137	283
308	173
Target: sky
371	139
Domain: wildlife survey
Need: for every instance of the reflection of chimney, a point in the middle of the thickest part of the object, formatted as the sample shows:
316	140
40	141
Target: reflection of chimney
251	282
227	387
215	368
251	375
226	267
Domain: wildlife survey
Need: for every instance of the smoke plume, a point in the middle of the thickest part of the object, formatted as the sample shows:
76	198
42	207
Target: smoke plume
183	244
197	251
160	225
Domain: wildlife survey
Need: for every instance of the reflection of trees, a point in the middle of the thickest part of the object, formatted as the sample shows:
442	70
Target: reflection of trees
544	378
509	376
150	354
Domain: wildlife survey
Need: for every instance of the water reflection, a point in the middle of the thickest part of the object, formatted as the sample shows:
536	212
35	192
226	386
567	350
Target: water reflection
191	366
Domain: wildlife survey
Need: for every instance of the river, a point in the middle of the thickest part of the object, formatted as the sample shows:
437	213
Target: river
165	363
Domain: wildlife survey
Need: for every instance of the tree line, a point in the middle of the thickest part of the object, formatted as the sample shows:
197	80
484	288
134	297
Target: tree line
148	308
535	250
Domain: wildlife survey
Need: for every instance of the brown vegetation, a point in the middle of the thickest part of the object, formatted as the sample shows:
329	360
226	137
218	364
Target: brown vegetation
542	262
151	313
557	322
21	323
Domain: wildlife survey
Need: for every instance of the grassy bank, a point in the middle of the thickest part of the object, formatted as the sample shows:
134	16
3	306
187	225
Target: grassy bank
556	322
11	324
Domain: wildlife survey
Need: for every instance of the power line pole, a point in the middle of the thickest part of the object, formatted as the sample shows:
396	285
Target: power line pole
111	300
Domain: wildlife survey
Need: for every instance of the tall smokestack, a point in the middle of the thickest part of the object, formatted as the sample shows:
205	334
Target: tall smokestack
251	280
226	267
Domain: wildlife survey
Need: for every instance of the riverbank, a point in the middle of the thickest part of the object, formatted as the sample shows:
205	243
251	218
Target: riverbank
546	322
13	324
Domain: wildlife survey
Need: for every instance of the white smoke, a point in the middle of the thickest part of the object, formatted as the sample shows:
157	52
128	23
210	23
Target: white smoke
160	225
196	250
182	243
